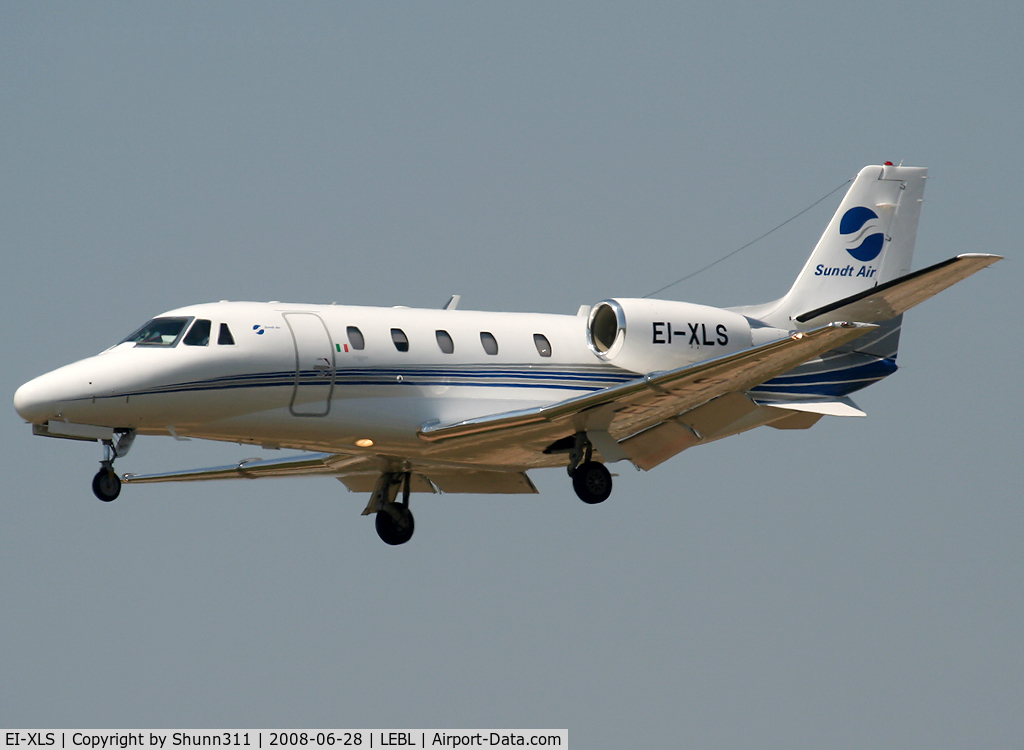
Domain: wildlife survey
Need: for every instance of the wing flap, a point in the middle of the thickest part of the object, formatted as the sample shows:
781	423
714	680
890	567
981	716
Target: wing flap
452	481
484	482
366	481
895	297
651	447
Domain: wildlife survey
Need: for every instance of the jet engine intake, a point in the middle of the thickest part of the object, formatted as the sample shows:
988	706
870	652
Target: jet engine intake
646	335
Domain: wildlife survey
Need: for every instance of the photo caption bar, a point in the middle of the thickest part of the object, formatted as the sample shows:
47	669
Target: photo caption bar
160	739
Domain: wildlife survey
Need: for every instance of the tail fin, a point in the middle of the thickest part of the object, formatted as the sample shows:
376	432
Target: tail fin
859	271
869	241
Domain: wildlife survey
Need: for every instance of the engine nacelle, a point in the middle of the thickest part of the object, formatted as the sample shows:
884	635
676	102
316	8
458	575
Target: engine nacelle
647	335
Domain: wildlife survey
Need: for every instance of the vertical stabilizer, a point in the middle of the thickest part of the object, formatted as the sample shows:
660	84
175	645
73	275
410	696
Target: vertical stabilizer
869	241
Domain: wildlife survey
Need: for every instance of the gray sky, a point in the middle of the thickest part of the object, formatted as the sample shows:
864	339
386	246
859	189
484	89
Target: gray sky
858	584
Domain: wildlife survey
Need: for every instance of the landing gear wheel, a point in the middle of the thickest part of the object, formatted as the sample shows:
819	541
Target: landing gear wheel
592	482
106	485
395	524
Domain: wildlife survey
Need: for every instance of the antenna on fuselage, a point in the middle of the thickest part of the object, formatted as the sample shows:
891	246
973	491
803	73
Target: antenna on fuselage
453	302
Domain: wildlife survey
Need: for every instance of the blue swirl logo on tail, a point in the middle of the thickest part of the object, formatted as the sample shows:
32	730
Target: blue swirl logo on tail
863	243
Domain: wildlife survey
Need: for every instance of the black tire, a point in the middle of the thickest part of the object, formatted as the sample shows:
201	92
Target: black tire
395	531
592	482
106	485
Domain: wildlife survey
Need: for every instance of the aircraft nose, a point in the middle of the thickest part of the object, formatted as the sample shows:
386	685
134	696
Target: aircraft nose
50	395
31	401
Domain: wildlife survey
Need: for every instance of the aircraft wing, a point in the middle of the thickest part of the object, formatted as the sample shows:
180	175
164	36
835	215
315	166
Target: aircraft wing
257	468
358	473
626	409
895	297
616	412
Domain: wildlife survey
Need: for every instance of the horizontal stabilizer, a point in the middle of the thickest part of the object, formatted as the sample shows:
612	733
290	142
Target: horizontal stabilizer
895	297
840	407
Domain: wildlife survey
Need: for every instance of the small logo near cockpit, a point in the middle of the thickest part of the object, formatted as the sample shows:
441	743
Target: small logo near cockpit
260	329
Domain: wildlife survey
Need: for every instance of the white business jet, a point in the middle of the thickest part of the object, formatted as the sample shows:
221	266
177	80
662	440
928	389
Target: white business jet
393	401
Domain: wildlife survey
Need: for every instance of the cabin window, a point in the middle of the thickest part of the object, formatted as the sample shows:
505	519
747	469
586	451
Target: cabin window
542	344
159	332
444	341
355	337
199	335
225	337
490	343
400	339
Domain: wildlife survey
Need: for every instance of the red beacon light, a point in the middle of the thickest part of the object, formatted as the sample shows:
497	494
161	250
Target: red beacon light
888	164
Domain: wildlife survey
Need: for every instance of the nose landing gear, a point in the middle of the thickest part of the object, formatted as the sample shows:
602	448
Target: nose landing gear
106	485
394	522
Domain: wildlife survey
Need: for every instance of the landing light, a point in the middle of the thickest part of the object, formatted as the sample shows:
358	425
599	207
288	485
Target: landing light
364	442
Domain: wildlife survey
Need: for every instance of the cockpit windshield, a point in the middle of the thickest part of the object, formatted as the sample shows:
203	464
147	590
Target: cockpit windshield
159	332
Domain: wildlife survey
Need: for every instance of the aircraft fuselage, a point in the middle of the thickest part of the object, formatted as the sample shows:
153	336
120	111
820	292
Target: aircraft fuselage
322	377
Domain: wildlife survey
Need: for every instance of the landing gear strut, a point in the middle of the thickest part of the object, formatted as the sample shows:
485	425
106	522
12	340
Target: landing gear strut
394	522
591	480
106	485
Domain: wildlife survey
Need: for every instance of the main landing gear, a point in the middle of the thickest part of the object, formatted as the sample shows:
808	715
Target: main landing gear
106	485
591	480
394	521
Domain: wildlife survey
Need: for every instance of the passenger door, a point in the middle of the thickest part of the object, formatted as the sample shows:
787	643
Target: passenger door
314	365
